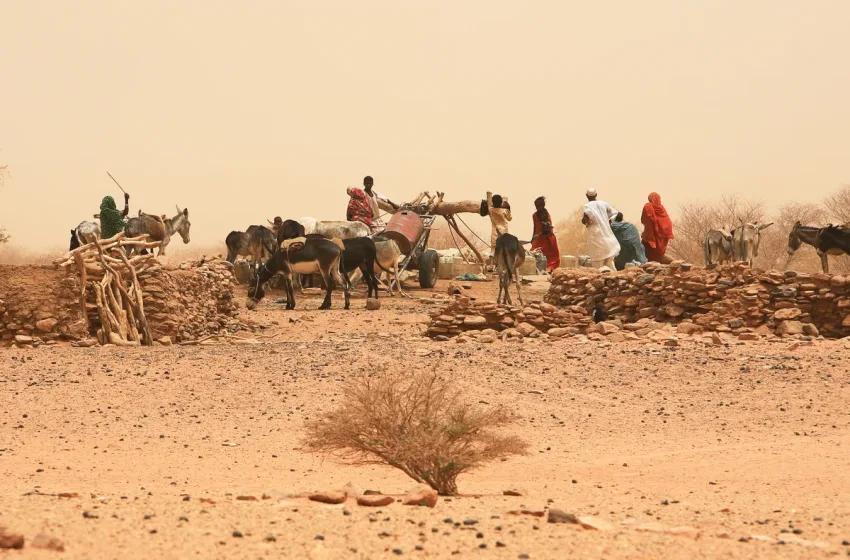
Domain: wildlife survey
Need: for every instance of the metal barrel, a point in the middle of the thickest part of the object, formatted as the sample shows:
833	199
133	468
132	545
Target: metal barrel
405	228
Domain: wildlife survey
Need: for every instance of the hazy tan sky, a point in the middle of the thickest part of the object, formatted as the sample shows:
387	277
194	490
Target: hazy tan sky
244	110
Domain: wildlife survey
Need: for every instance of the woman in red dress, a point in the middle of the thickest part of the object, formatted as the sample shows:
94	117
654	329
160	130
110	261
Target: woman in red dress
544	235
657	229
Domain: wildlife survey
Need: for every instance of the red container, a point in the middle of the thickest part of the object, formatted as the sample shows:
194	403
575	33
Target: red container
405	228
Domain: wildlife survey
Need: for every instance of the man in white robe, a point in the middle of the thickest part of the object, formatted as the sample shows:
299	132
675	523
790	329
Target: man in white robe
602	244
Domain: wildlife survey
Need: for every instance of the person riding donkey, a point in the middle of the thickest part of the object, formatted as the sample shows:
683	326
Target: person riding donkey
111	220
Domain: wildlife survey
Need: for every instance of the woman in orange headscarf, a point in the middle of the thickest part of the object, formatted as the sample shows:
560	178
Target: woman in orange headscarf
657	228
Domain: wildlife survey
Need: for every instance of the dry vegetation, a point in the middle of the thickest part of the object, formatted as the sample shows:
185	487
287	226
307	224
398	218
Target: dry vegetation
421	425
694	219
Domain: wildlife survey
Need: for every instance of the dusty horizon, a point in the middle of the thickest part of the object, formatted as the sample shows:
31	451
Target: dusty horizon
245	112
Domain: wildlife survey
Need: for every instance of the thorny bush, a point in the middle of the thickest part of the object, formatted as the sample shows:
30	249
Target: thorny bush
421	425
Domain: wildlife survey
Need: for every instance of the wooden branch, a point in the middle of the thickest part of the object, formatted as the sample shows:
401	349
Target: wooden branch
81	268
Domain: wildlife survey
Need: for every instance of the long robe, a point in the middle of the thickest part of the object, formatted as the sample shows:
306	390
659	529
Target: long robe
601	242
545	240
657	228
631	249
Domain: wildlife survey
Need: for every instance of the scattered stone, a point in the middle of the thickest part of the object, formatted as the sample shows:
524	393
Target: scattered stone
559	516
787	314
246	498
332	497
10	540
46	542
789	328
373	304
748	336
526	329
238	534
421	496
165	341
514	492
46	325
23	339
374	500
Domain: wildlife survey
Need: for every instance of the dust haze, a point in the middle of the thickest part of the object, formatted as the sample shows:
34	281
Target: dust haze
241	112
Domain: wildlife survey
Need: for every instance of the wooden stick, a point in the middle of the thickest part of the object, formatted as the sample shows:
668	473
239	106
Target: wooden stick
81	268
140	303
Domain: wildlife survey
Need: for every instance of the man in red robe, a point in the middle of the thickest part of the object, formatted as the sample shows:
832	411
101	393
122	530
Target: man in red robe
544	235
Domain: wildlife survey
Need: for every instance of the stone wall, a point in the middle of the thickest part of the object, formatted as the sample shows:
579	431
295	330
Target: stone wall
41	305
38	304
732	299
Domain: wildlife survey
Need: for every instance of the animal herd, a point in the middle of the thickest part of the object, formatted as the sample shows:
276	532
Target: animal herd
343	252
742	243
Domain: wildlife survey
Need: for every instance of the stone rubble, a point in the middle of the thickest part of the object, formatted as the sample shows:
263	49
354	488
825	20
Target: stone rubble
41	305
662	302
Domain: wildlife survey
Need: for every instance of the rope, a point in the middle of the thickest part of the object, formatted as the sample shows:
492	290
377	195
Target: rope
473	232
457	245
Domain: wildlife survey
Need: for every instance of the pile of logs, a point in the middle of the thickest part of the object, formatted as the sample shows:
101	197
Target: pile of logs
113	277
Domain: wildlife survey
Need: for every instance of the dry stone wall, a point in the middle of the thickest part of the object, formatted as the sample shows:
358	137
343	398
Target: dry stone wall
733	299
41	305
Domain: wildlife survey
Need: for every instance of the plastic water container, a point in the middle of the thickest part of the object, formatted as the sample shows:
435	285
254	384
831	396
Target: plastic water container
584	260
569	261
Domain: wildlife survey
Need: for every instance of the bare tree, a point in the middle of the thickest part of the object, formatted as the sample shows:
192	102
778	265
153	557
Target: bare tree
4	171
697	218
571	234
838	205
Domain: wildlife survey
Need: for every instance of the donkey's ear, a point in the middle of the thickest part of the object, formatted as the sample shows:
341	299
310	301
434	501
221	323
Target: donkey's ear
764	226
186	212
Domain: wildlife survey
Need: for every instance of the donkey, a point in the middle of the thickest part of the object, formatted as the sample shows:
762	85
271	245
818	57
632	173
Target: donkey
159	229
746	239
829	240
718	247
310	256
86	232
257	242
510	256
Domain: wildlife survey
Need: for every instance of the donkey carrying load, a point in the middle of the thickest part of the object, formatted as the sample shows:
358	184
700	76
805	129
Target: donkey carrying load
158	228
829	240
303	256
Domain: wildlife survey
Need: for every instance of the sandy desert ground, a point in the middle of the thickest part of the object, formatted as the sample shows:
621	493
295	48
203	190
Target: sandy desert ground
698	451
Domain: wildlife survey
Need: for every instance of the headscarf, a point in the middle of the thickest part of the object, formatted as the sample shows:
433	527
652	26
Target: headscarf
656	222
111	220
359	209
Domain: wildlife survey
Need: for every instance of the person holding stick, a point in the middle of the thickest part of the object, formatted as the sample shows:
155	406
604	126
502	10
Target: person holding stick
111	220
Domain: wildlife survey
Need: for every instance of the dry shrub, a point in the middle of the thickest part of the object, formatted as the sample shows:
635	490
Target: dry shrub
421	425
14	254
572	234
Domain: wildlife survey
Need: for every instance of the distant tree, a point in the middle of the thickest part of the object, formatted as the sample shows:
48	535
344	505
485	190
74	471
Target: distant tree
838	205
695	219
4	171
571	234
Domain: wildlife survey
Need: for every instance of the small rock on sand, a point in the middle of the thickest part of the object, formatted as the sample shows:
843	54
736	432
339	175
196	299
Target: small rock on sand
374	500
421	496
332	497
10	540
47	542
560	516
373	304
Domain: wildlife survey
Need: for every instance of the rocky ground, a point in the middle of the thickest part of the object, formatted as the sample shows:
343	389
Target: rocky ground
700	450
